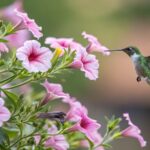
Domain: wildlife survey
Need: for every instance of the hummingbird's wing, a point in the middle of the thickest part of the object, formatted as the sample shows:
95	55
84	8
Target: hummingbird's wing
146	69
148	60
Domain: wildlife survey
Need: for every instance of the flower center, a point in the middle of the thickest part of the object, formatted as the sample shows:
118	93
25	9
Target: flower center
33	56
84	123
63	44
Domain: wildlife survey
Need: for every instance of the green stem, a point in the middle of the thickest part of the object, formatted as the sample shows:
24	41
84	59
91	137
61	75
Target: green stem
20	84
24	137
20	126
5	81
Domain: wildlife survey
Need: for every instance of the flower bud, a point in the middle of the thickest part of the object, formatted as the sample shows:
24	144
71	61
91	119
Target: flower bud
56	55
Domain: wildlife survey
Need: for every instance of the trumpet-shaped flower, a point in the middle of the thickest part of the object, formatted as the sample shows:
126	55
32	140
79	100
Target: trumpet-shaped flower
54	91
86	63
30	24
133	131
34	57
4	113
3	48
75	109
83	124
94	44
17	39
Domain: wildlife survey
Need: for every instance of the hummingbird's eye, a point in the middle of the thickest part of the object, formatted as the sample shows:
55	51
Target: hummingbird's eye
130	48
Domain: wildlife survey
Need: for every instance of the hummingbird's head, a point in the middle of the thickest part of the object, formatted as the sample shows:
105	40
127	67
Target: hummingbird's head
131	51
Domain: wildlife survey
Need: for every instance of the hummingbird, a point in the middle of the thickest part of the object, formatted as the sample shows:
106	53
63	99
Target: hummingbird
140	62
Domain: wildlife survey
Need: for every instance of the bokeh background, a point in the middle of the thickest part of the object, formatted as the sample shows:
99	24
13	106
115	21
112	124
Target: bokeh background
118	24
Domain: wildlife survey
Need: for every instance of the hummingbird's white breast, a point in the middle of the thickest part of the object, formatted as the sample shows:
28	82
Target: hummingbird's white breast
135	57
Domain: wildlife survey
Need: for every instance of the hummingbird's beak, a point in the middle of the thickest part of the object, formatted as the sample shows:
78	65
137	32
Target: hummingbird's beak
114	50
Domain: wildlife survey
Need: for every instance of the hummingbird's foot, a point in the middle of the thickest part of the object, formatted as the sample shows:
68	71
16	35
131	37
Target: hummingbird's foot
138	79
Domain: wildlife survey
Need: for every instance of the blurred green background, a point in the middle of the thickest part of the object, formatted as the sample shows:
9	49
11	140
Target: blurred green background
118	24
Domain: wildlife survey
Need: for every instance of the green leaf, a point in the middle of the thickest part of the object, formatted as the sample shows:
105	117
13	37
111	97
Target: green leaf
9	29
3	136
113	123
12	98
3	40
11	132
2	62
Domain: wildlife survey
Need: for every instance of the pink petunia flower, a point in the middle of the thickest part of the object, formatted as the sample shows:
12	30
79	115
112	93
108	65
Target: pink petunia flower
3	48
56	142
4	113
75	108
54	90
17	39
63	43
83	123
8	12
86	63
133	131
27	23
94	44
34	57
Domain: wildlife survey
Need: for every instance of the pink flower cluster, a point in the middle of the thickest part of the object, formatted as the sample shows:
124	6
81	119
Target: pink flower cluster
37	59
4	113
77	113
84	61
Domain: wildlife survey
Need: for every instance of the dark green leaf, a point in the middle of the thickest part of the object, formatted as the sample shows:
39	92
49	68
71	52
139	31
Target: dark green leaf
3	136
12	98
